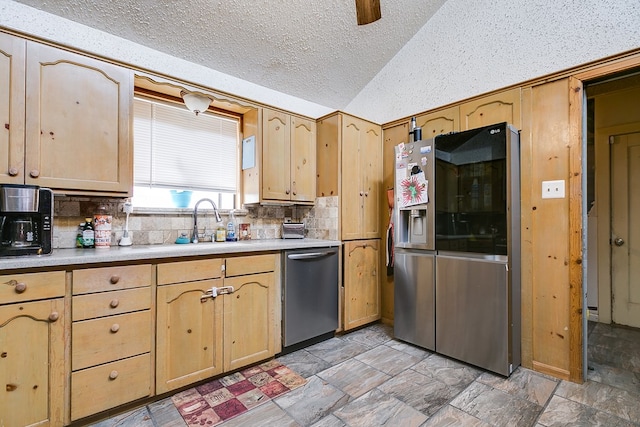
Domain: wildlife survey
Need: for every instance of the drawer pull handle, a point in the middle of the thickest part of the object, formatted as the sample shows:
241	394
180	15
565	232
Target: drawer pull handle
113	375
115	328
20	287
34	173
114	279
13	172
54	316
114	303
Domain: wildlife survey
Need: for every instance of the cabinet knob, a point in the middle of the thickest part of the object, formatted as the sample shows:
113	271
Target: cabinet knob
286	192
114	303
34	173
362	193
54	316
114	279
113	375
366	194
115	328
20	287
13	172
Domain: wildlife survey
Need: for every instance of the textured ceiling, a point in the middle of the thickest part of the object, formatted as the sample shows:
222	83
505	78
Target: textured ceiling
309	49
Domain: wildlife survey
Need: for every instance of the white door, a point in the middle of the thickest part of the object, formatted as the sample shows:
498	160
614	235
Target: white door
625	228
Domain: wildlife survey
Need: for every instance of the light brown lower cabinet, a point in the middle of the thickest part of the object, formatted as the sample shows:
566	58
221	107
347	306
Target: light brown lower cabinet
111	336
200	335
189	334
32	363
362	303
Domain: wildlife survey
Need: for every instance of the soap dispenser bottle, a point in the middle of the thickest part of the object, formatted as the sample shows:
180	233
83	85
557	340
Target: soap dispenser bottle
231	228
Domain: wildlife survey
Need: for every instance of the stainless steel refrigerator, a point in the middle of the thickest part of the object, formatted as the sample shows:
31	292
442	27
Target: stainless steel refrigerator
414	244
477	203
457	246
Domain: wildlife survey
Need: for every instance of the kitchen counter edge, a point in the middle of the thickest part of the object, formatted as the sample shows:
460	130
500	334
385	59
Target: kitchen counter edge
65	257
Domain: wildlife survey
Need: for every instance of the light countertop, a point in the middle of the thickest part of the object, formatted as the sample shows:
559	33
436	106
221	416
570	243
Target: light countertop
65	257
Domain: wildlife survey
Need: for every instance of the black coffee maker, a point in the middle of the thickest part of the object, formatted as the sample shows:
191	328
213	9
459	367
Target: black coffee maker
26	220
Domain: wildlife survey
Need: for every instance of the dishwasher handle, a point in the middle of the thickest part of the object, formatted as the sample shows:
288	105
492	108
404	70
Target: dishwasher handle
310	255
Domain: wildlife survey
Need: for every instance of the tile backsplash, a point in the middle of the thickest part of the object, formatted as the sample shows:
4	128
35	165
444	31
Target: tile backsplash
159	226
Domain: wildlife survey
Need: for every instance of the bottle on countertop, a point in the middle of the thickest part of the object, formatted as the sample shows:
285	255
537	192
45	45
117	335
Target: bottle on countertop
79	235
88	234
231	228
221	232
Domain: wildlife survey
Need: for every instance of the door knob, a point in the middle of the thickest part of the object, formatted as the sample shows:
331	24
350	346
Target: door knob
619	241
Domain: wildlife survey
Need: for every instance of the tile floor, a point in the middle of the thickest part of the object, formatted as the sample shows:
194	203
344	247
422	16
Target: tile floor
366	378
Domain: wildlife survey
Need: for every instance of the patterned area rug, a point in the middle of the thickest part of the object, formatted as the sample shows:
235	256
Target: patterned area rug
220	400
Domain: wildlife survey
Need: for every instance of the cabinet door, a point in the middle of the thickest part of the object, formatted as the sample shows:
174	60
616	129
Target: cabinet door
371	169
498	108
361	283
276	155
351	192
12	75
440	122
249	320
77	122
189	334
32	363
303	160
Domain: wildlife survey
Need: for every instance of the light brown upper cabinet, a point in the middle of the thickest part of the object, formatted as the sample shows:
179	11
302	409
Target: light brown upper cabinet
497	108
12	54
438	123
361	178
284	160
350	165
68	120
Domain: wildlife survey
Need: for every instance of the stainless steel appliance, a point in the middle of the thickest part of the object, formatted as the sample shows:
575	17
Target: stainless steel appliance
310	296
26	219
414	243
478	247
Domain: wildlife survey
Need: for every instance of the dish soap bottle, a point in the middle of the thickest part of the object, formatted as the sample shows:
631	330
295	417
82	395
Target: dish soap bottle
231	228
220	232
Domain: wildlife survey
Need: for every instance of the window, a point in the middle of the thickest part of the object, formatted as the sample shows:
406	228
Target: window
178	154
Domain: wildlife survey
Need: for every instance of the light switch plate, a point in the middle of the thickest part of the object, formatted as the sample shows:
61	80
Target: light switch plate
553	189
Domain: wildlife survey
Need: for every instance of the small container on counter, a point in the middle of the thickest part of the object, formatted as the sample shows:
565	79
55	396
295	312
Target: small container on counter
102	228
88	234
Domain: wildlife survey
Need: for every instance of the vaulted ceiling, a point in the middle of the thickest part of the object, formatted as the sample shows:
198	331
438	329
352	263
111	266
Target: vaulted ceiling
313	50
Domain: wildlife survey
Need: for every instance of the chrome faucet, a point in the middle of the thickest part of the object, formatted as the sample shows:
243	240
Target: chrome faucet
194	237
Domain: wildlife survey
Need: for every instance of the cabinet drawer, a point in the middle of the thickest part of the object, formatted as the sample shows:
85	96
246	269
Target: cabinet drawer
109	338
111	278
90	306
250	265
31	286
188	271
106	386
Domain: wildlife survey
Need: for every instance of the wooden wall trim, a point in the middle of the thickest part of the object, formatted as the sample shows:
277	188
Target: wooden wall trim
526	232
576	102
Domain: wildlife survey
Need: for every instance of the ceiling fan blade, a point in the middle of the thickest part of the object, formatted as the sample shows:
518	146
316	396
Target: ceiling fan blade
367	11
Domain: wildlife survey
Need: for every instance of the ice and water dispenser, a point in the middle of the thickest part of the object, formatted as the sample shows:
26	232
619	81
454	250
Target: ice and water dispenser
414	191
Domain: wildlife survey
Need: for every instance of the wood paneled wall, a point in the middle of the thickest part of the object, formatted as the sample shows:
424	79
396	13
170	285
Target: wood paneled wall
550	111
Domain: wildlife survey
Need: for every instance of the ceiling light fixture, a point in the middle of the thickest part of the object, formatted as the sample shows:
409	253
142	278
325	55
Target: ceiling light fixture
195	103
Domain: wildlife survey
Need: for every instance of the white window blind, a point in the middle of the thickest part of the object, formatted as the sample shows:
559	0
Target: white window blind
174	148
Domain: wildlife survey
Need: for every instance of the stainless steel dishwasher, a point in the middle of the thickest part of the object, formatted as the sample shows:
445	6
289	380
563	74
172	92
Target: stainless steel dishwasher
310	296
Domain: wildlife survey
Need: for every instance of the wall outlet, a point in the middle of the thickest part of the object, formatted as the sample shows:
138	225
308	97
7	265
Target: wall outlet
553	189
